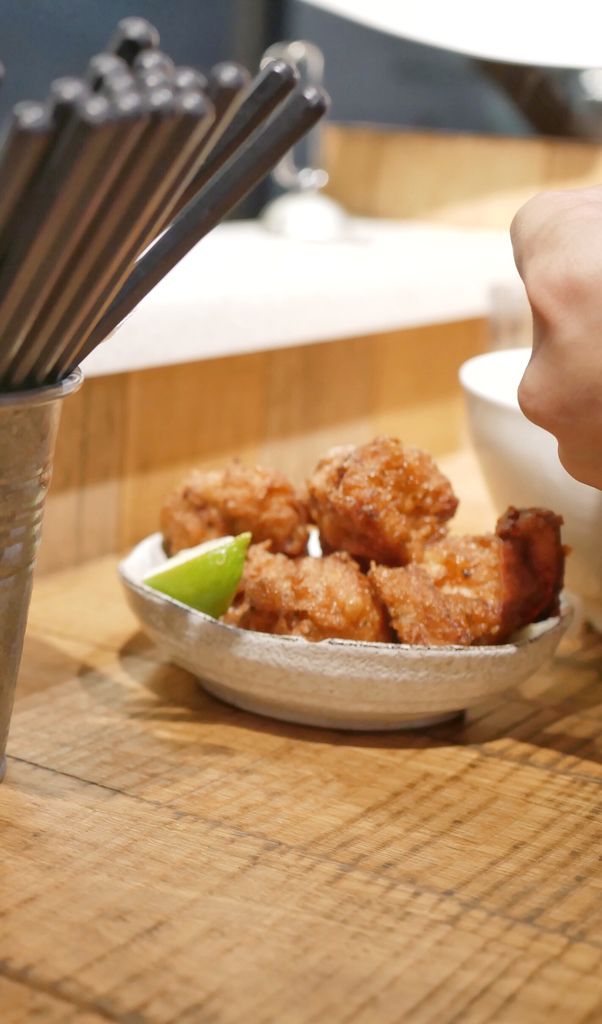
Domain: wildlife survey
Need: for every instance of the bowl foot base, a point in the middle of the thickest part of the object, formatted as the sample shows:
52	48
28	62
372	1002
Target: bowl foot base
331	719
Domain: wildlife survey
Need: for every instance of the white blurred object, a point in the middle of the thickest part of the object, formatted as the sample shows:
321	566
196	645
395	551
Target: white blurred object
306	217
309	61
303	213
521	467
546	34
591	83
510	321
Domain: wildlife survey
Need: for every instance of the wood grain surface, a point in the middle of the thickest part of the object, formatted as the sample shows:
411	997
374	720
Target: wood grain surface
170	860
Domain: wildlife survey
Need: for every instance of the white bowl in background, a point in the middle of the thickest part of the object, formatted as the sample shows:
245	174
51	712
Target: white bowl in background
521	467
336	684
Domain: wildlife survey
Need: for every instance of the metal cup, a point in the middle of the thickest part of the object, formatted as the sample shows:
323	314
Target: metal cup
28	427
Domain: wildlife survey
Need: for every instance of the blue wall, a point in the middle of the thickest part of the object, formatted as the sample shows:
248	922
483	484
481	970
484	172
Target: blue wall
42	39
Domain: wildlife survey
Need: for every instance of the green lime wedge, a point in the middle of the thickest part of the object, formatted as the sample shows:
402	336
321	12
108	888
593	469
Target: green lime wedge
205	577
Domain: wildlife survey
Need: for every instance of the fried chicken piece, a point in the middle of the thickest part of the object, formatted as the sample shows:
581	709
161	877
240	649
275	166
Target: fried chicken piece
381	501
534	534
315	598
233	500
420	612
478	590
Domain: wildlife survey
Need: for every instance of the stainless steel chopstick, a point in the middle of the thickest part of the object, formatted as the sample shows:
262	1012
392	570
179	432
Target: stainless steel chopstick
118	82
125	234
153	68
111	217
153	78
290	122
90	181
117	266
131	36
151	60
65	95
27	142
268	90
101	65
62	194
185	77
226	88
44	305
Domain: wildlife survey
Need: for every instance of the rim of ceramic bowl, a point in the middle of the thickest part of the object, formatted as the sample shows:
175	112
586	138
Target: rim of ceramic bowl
473	383
46	393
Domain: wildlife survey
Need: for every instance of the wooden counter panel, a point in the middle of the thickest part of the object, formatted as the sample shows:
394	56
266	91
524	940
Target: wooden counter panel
470	181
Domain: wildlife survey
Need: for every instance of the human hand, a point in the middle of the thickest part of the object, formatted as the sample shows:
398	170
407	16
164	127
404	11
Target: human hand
557	242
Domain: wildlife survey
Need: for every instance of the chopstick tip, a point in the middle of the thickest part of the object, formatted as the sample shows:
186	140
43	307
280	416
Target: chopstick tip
159	100
94	109
68	89
193	101
29	114
132	35
280	68
229	75
129	105
316	98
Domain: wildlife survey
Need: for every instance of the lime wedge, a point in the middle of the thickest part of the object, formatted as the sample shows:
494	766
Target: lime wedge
204	577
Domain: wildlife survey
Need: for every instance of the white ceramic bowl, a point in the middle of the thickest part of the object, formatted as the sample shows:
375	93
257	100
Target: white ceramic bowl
338	684
521	467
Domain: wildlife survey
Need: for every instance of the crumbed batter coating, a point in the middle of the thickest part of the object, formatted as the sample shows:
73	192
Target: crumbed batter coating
234	500
382	501
478	590
315	598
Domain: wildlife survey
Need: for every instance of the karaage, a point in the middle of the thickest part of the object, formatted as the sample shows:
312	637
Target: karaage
315	598
478	590
234	500
380	502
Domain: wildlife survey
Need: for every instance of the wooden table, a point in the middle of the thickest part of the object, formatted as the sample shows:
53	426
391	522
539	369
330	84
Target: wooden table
166	858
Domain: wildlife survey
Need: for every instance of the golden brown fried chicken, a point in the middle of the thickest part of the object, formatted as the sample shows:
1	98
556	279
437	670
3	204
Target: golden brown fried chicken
478	590
381	501
533	592
231	501
420	612
315	598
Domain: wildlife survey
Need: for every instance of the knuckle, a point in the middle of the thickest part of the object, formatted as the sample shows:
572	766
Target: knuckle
526	229
530	399
538	402
552	249
554	285
549	399
537	209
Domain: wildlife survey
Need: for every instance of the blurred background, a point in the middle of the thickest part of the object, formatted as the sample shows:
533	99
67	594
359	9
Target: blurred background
373	77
